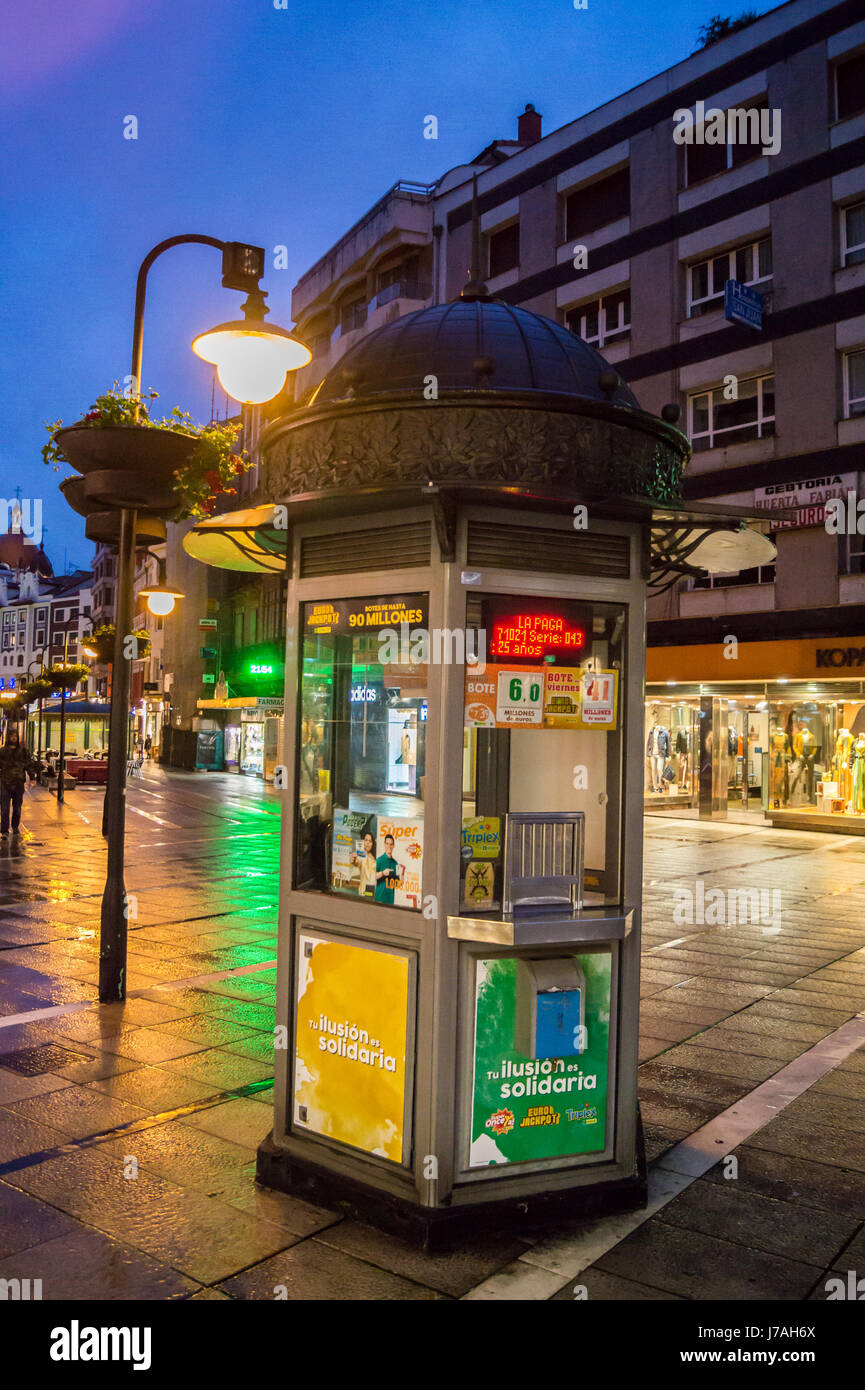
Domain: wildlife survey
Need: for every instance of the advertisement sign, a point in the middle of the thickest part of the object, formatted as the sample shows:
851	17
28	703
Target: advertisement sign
562	697
482	837
366	615
599	698
351	1043
807	496
479	884
529	629
399	861
541	1058
550	697
354	853
401	749
503	698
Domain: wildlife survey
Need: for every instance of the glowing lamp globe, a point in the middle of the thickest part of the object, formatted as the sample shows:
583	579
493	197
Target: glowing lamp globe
160	599
252	359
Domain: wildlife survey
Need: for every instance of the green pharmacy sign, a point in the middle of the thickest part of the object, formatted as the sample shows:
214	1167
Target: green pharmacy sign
542	1039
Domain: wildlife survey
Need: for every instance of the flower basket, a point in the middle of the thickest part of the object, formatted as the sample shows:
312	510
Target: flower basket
101	641
38	689
172	467
104	527
66	677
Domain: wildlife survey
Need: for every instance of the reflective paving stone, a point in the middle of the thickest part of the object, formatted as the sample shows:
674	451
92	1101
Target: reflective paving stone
316	1271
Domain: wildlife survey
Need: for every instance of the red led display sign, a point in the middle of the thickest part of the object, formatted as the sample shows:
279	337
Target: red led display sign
533	630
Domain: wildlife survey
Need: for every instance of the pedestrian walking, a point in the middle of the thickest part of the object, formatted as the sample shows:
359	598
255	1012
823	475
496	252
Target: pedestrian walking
148	744
16	765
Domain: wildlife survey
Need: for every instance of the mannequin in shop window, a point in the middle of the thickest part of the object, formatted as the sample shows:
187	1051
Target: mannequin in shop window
682	749
857	797
779	766
805	748
841	765
657	752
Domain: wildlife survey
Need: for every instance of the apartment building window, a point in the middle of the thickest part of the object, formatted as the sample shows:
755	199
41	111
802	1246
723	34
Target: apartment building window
604	320
853	234
40	637
598	204
41	614
504	250
854	384
751	264
704	161
851	554
352	315
7	641
59	615
850	87
714	422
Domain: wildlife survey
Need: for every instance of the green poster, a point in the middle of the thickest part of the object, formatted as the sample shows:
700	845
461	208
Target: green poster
542	1036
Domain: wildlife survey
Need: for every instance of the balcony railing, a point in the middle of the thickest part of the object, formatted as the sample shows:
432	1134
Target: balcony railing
353	317
401	289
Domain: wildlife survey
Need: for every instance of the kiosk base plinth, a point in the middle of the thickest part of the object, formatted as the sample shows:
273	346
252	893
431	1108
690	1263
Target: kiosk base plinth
441	1228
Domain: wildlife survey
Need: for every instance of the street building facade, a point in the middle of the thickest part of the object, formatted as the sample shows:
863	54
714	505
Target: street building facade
735	177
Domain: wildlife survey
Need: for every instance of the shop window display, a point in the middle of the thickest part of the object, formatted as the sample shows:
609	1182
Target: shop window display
671	745
362	749
794	752
543	738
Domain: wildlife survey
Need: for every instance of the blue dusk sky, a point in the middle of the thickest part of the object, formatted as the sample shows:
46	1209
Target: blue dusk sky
255	123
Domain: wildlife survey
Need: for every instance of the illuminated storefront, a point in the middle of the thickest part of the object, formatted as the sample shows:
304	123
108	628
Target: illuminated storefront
787	749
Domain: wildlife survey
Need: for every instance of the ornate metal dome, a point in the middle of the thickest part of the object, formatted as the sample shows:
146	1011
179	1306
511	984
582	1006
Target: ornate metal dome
479	394
469	346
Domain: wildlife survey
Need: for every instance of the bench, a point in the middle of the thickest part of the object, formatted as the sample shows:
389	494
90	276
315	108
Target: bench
89	770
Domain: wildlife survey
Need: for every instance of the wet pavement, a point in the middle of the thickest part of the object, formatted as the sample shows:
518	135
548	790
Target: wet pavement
128	1132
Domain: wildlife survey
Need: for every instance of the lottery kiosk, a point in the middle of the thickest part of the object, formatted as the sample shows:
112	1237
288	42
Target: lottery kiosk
459	939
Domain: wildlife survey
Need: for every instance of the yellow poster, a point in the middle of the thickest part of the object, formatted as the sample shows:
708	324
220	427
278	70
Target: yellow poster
352	1021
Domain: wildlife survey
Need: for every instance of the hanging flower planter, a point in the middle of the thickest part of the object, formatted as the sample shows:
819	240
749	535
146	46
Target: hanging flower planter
170	467
66	677
38	689
101	641
103	527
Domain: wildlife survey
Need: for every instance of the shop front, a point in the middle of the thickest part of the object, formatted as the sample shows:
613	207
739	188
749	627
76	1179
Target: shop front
776	733
240	734
86	731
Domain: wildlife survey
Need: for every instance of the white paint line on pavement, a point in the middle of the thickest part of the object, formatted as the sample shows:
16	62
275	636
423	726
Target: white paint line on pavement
564	1257
190	982
148	815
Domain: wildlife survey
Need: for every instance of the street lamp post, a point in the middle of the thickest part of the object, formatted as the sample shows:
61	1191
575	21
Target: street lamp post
252	360
40	662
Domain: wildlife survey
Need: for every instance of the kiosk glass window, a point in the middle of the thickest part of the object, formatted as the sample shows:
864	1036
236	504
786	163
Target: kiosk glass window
362	748
542	738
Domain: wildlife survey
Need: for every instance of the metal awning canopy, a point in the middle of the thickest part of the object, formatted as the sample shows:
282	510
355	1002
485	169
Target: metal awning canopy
244	540
686	539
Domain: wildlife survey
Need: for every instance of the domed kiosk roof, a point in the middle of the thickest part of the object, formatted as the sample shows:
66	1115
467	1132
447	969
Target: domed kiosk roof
475	393
473	401
471	345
